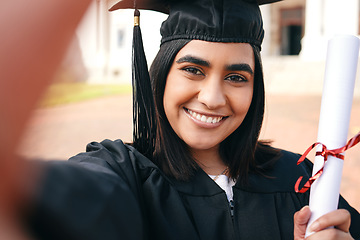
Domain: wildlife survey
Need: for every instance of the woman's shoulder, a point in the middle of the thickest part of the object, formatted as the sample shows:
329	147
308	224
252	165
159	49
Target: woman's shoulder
288	163
83	197
281	175
116	156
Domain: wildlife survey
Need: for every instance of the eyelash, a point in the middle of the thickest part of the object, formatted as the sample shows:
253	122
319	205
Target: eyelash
193	70
196	71
240	78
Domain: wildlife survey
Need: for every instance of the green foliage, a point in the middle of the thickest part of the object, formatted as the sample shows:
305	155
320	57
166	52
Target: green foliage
65	93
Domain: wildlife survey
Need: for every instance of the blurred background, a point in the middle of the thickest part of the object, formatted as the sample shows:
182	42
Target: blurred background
90	98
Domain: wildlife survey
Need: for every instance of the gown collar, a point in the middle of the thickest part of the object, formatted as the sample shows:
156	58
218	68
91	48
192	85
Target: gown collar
199	185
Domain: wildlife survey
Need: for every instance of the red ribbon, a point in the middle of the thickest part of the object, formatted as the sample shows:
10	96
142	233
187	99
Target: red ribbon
325	153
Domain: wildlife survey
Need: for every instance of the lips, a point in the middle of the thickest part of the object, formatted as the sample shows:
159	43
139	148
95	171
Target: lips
204	118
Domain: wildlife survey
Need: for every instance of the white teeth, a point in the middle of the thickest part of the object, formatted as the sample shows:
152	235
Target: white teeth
204	118
218	119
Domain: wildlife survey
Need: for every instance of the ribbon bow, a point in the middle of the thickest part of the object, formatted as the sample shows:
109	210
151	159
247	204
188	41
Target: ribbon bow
324	153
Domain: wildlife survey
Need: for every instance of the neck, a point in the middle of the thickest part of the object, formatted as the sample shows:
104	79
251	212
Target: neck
209	160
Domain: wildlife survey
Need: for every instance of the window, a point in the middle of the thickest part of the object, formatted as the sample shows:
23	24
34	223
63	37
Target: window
292	29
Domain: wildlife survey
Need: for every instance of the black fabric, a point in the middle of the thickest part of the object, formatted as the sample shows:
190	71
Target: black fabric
214	21
208	20
143	100
114	192
157	5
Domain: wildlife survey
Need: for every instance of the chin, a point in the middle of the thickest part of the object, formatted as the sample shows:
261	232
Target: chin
201	146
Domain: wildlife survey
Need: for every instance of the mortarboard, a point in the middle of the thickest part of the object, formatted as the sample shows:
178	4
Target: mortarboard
209	20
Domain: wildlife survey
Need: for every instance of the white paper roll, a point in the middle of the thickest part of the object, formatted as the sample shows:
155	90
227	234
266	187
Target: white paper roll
336	102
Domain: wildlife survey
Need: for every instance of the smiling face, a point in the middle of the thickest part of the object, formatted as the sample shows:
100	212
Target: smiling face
208	92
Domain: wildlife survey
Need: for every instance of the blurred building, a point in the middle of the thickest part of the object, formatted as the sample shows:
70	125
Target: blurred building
295	31
284	24
105	40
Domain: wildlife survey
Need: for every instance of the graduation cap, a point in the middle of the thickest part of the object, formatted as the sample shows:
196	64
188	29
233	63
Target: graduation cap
208	20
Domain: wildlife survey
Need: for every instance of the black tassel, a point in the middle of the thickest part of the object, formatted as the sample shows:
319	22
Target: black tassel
143	101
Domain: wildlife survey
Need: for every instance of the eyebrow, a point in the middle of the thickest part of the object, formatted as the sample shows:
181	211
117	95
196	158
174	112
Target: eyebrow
240	67
232	67
195	60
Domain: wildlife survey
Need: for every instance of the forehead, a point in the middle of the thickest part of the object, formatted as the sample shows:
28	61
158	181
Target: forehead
218	52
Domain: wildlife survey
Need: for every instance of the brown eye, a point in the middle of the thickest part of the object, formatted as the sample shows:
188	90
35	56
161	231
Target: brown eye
236	78
193	70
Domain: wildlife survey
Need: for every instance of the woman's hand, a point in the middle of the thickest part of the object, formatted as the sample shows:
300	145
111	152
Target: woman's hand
35	36
339	218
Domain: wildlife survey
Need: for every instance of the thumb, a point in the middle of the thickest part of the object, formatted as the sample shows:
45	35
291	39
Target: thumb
301	219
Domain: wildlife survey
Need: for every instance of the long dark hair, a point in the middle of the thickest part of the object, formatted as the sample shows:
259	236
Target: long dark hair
238	150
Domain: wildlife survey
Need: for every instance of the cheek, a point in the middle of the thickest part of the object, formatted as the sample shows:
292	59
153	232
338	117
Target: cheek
167	101
168	92
173	96
248	101
241	102
177	91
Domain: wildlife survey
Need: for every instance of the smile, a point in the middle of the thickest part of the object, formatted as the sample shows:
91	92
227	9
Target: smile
204	118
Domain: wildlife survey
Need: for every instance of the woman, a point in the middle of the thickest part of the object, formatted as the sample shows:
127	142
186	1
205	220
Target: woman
208	177
141	201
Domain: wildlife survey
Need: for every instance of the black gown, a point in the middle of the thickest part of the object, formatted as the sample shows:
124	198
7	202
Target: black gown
114	192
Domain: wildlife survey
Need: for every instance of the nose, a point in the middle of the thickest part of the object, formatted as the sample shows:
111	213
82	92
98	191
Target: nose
212	93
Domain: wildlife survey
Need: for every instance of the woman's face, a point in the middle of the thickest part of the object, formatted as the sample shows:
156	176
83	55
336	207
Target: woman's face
208	91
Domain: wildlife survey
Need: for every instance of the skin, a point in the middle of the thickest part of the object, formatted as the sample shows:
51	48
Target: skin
35	36
340	219
201	86
40	38
201	82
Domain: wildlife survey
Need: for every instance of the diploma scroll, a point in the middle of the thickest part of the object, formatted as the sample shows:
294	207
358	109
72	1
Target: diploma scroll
336	102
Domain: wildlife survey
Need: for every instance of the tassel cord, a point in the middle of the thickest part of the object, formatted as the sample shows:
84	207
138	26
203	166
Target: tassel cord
143	101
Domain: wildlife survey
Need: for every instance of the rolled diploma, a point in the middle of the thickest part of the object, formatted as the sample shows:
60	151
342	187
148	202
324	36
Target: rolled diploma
336	102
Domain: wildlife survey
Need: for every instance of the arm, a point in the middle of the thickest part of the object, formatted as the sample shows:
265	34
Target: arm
84	200
35	35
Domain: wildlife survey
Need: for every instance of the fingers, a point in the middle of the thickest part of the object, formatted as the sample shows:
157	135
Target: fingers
27	67
301	219
331	233
32	47
339	218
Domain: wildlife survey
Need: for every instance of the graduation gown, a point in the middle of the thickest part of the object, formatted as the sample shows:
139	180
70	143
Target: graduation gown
114	192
